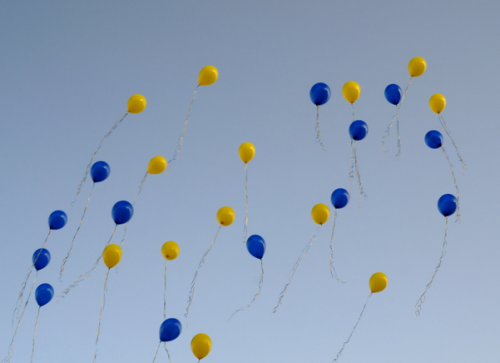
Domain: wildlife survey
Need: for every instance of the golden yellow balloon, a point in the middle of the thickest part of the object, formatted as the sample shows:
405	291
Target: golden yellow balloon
112	255
320	214
136	104
170	250
201	345
417	66
378	282
226	216
157	165
437	103
246	151
351	91
208	75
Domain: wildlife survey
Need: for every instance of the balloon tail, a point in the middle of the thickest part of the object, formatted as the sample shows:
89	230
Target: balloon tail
80	186
353	329
445	127
420	301
34	335
318	132
387	132
332	266
103	303
404	94
459	217
193	283
356	172
80	279
168	353
297	263
397	132
257	295
157	349
245	229
140	188
165	293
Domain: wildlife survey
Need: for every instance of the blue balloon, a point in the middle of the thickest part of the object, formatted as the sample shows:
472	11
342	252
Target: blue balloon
43	294
170	329
41	258
122	212
256	246
57	219
320	94
358	130
100	171
393	94
434	139
447	204
340	198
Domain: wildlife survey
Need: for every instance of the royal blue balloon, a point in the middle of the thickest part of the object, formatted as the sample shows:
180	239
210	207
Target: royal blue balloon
57	219
170	329
434	139
41	258
122	212
358	130
43	294
340	198
100	171
447	205
393	94
256	246
320	94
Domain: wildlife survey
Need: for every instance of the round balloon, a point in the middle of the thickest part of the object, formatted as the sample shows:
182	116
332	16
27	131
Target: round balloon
201	344
170	329
351	91
122	212
447	204
358	130
320	94
226	216
112	255
434	139
246	152
41	258
100	171
44	294
378	282
340	198
157	165
208	75
256	246
437	103
57	219
320	214
136	104
170	250
417	66
393	94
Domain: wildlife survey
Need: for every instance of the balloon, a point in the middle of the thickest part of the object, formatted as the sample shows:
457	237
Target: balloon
320	214
378	282
208	75
201	345
256	246
320	94
340	198
136	104
417	66
112	255
170	250
434	139
393	94
246	151
57	219
351	91
157	165
358	130
170	330
41	258
447	204
226	216
44	294
437	103
122	212
100	171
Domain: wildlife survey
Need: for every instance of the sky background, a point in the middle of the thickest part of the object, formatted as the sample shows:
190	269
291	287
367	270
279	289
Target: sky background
67	71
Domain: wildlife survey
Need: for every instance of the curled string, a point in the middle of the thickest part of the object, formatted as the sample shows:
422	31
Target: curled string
397	132
157	349
404	94
420	301
297	263
352	111
80	186
245	229
318	132
387	132
358	176
351	168
76	233
459	217
34	335
332	266
193	283
353	329
103	303
165	294
257	295
168	353
443	123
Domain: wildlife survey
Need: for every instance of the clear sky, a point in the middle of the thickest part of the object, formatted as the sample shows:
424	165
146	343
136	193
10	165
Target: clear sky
67	70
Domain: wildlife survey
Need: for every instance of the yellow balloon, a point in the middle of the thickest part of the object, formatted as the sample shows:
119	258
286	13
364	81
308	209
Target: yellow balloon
320	214
136	104
208	75
201	345
246	151
226	216
437	103
157	165
378	282
351	91
417	66
170	250
112	255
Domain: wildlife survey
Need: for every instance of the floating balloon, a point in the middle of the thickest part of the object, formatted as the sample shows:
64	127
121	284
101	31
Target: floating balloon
136	104
319	94
447	205
170	330
43	294
157	165
208	75
358	131
57	220
41	258
225	216
393	96
320	214
351	92
122	212
100	171
201	345
340	197
246	152
170	251
417	67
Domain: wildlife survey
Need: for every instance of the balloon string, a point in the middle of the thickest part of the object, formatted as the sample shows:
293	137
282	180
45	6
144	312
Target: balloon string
388	131
297	263
332	266
80	186
358	176
318	132
420	301
352	111
353	329
245	229
140	188
397	132
76	233
157	349
404	94
193	283
257	295
168	353
459	217
443	123
165	293
34	335
103	301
